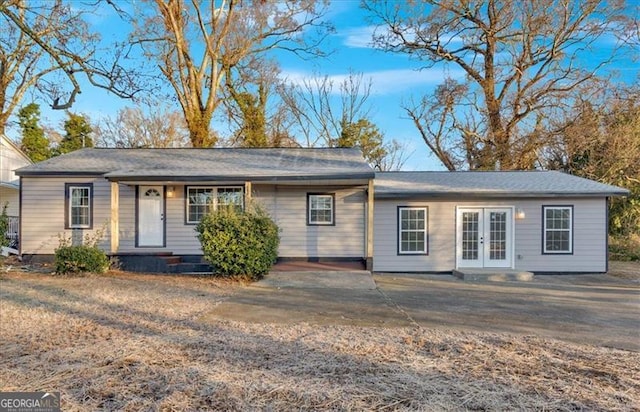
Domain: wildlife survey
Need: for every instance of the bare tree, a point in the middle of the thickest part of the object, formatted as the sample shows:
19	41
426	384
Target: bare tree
319	120
523	61
138	127
324	120
46	47
610	118
197	43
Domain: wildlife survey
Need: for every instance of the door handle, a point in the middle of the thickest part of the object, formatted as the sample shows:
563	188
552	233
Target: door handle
481	240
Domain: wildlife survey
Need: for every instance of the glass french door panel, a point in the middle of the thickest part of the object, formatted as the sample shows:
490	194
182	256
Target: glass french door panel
470	235
497	235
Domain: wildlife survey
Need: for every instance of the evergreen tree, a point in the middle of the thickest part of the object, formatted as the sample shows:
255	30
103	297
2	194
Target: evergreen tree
34	144
77	133
367	137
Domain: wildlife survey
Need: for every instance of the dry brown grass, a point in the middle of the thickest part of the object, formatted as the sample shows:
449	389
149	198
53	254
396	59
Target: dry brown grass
625	270
132	342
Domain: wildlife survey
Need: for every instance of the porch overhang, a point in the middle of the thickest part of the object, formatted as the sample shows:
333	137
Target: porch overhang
334	180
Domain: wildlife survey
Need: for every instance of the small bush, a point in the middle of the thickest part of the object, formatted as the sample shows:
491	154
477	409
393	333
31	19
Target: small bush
240	244
79	259
4	225
625	248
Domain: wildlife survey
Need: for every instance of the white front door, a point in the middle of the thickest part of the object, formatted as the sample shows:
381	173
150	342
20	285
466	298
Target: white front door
484	237
151	216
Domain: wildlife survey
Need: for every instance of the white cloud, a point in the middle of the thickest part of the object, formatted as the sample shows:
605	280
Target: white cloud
384	82
359	37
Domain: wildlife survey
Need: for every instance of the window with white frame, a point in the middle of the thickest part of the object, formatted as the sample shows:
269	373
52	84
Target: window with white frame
320	209
558	229
79	211
202	199
412	230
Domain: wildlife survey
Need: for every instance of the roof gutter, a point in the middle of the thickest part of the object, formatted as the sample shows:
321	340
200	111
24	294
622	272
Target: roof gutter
492	195
37	173
207	178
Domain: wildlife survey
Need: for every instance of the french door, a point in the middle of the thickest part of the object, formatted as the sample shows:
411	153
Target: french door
484	237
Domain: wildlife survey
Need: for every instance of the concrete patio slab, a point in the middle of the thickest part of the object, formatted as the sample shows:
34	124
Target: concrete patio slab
493	275
353	280
599	310
604	312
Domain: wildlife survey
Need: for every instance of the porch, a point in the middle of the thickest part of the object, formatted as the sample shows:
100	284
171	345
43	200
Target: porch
13	231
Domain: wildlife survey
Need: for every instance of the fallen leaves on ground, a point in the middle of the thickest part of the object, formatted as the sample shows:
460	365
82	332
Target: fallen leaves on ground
130	342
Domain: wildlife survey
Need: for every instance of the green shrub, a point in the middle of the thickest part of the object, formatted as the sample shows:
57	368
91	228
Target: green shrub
240	244
4	225
79	259
625	248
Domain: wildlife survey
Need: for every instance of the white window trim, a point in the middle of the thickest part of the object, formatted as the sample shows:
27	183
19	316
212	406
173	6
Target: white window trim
309	209
425	231
545	230
214	189
70	197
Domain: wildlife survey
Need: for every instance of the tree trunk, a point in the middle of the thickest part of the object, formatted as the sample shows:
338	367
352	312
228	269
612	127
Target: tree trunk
4	118
199	131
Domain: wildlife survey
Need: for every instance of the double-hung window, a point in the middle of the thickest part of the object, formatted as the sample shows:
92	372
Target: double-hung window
412	230
79	205
203	199
320	209
558	229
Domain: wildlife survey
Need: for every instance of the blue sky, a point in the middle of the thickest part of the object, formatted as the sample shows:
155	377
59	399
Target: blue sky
394	78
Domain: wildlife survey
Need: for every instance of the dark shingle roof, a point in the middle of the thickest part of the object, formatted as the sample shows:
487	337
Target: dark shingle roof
213	164
489	184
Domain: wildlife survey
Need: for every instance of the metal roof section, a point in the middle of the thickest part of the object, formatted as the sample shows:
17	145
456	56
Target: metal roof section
268	164
489	184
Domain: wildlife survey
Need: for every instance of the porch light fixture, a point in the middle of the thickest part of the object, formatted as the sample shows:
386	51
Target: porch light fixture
520	213
171	191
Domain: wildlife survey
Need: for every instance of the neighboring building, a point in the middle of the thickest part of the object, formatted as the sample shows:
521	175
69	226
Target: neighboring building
328	203
11	158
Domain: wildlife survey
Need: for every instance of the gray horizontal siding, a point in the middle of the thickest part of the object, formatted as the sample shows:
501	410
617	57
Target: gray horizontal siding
441	232
43	213
288	207
589	236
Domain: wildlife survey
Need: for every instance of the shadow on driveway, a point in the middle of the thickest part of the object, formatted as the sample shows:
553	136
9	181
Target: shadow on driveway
598	310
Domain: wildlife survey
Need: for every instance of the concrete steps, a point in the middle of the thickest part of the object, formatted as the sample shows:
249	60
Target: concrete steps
492	275
189	268
189	265
165	263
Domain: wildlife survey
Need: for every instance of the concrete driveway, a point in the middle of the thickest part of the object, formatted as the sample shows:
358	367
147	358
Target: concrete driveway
595	309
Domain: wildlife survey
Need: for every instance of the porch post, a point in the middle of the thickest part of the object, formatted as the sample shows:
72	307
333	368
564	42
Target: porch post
247	193
369	257
115	206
